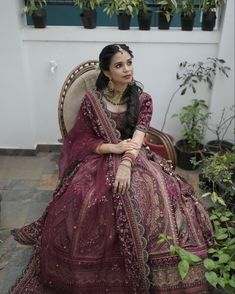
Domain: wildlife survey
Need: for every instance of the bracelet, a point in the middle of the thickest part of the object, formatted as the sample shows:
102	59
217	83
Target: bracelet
125	165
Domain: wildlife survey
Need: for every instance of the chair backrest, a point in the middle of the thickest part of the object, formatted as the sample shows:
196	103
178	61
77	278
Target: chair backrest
81	79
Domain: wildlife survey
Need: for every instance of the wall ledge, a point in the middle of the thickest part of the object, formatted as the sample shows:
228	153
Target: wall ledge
112	35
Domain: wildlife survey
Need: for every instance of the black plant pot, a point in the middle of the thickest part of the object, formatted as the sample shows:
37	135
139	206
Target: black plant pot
39	18
89	19
208	20
187	21
184	156
144	20
124	21
163	24
216	146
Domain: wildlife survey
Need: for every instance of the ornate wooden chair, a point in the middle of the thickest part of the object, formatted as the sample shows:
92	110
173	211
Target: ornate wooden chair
81	79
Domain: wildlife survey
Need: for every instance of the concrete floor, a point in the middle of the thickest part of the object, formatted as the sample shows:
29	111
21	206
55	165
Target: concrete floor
26	185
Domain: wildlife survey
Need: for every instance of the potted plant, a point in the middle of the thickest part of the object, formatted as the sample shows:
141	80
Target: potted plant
187	15
88	15
193	118
219	130
35	9
124	9
167	9
208	8
191	75
217	178
144	15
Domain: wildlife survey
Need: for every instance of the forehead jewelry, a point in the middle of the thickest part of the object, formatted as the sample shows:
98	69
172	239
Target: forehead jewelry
119	49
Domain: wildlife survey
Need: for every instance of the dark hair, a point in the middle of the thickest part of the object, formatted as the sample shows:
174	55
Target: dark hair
132	92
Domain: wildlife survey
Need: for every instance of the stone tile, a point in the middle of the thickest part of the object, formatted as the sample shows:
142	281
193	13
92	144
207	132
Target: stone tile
13	213
35	210
21	167
42	196
16	195
22	184
48	182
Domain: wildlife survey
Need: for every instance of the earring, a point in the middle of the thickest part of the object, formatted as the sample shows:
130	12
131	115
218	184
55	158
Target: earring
110	85
132	82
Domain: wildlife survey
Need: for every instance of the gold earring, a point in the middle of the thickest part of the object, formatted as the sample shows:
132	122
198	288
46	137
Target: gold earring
110	85
132	82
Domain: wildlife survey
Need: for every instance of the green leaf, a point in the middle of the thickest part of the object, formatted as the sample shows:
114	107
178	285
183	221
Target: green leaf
232	282
211	250
221	201
183	267
224	258
232	264
221	236
183	91
172	249
209	264
212	278
214	196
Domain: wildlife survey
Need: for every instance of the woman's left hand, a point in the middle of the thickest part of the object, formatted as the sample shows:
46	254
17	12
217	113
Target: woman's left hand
122	179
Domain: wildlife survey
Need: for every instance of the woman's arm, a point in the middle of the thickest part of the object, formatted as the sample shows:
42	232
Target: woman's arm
121	147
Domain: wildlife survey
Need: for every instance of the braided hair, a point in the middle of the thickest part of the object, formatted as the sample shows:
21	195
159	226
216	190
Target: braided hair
132	92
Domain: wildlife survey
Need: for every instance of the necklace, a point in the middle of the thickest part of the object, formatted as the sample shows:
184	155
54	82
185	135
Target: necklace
114	97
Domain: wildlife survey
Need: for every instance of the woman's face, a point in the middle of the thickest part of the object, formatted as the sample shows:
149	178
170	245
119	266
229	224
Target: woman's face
121	69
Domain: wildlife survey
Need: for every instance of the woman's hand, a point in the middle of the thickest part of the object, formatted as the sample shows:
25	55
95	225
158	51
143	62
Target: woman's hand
125	145
123	178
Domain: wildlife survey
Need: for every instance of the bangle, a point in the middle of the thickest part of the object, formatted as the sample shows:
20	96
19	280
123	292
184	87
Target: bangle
125	165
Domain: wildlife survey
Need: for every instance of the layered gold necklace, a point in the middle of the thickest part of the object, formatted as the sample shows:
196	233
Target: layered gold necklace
115	97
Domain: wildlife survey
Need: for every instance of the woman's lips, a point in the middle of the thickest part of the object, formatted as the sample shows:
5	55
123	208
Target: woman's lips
127	77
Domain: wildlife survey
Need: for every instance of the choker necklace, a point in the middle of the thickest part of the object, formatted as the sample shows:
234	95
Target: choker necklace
114	97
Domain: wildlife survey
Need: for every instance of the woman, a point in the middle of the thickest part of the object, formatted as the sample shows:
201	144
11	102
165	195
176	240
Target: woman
100	233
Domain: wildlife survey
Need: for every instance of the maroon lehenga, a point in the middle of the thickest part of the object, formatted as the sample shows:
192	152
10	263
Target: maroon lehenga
92	241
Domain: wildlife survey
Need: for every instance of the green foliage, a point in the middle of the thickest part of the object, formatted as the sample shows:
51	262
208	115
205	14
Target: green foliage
191	75
220	264
129	7
207	5
218	170
187	7
186	258
32	5
88	4
193	118
168	7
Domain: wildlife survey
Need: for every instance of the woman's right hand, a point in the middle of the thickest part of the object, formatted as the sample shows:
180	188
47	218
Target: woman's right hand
125	145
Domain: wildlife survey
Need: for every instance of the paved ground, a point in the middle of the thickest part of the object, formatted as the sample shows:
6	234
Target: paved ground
26	185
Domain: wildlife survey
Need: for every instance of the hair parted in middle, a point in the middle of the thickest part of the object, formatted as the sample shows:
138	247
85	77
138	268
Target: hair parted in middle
132	92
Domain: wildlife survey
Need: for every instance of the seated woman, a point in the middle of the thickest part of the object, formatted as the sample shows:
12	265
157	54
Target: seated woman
99	233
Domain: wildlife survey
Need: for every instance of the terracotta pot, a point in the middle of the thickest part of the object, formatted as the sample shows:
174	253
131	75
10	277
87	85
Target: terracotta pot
156	145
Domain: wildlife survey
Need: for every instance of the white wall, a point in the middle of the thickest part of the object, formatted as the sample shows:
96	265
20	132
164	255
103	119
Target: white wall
29	96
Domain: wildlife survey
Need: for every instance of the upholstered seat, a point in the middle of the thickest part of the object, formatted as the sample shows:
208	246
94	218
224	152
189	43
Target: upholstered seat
81	79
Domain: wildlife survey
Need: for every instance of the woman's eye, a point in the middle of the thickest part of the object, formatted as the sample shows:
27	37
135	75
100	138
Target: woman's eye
118	65
129	62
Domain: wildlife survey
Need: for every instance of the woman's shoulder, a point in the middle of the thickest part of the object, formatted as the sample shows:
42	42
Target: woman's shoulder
144	97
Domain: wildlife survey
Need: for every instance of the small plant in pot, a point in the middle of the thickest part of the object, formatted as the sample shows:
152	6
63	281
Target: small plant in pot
124	9
167	9
191	75
208	8
88	15
144	15
187	14
217	178
35	8
219	130
193	118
